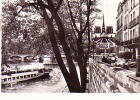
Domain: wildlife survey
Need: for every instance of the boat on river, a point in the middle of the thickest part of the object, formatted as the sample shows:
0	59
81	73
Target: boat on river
13	75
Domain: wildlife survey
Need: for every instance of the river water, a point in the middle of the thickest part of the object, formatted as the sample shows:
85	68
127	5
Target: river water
54	84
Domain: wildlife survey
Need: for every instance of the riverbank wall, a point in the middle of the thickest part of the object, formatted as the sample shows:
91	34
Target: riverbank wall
106	78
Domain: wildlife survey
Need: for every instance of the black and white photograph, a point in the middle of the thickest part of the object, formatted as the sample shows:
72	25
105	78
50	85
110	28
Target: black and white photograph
70	46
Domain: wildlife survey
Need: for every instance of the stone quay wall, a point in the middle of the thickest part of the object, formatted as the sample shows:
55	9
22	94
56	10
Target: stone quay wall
105	78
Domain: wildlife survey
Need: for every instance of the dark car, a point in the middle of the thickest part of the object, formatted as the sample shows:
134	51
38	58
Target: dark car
111	59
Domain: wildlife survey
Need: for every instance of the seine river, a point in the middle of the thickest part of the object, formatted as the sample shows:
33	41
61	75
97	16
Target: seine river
54	84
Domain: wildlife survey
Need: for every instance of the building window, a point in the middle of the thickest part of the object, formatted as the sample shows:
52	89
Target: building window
17	77
126	6
131	17
131	4
5	79
9	79
13	78
109	29
125	20
125	36
24	76
21	76
136	33
97	29
134	15
131	34
31	75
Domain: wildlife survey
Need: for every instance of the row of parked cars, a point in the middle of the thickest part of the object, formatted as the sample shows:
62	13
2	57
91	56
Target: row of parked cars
125	63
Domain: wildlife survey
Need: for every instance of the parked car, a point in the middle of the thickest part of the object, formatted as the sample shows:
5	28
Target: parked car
125	63
120	62
111	59
131	63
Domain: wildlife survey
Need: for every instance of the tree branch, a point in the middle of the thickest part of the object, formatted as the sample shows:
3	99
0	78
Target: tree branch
50	3
88	14
59	4
34	4
72	19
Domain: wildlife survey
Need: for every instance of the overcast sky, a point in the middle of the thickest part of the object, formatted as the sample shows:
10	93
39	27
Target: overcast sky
109	8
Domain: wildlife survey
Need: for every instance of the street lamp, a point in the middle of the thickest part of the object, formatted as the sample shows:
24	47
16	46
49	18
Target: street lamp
138	57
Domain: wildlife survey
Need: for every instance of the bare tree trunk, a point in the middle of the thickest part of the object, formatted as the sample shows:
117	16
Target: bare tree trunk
71	65
72	77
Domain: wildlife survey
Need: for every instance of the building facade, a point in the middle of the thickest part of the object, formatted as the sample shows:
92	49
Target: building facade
99	30
127	31
103	38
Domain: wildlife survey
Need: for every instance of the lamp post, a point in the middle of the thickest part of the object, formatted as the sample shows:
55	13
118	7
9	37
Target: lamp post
138	57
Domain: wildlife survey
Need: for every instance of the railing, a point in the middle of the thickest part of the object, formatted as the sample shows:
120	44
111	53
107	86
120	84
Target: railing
119	27
125	27
135	40
138	19
134	22
131	24
131	42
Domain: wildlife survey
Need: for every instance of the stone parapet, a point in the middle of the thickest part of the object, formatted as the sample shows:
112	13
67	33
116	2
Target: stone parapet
105	78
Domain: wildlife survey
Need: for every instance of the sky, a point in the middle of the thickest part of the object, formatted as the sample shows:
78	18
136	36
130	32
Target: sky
109	8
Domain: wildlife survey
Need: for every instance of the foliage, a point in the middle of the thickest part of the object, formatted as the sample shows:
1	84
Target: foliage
59	20
22	34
